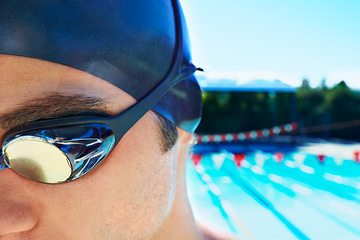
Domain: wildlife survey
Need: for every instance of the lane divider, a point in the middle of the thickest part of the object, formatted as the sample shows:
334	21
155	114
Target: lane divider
242	136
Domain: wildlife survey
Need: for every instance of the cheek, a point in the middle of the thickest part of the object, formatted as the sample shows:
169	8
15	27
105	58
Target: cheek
144	191
137	185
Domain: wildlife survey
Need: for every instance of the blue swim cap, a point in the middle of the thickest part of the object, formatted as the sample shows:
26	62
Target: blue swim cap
129	43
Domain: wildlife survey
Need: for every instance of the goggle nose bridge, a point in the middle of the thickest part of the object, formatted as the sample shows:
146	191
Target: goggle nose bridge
2	161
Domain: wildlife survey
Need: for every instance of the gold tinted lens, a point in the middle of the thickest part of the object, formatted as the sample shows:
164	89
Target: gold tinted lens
38	160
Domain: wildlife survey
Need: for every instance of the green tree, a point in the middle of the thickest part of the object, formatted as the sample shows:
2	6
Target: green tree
343	105
310	104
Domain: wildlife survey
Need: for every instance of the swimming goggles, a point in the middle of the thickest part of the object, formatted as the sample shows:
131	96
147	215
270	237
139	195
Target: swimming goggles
64	149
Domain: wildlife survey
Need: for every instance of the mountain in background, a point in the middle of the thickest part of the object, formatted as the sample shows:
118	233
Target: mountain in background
251	86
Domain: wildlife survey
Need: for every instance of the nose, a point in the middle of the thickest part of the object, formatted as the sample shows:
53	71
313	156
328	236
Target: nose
17	213
15	218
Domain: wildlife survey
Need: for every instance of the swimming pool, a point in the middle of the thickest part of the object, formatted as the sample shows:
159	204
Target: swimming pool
305	192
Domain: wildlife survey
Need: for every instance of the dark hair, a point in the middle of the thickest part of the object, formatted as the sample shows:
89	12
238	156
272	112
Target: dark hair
168	132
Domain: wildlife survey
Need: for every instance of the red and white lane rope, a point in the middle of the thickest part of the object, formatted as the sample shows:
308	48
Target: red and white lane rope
242	136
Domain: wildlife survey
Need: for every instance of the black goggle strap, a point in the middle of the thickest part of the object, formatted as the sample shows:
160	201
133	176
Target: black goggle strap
136	111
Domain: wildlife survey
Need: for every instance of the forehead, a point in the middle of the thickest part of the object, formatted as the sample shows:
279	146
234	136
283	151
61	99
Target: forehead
23	79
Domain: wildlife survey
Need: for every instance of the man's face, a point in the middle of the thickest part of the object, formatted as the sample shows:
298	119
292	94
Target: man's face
127	196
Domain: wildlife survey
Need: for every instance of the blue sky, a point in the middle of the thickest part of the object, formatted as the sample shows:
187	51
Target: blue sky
283	39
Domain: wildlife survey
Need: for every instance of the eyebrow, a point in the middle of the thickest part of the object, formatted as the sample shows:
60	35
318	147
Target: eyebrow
56	105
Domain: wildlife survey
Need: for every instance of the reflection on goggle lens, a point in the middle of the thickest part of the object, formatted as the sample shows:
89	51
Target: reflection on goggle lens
37	160
58	155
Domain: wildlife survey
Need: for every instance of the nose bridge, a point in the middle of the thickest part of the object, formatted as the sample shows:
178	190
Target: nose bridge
17	211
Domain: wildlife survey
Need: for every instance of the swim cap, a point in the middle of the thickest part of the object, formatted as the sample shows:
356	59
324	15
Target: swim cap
129	43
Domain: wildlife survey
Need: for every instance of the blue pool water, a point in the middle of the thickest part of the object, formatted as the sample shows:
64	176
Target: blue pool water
299	198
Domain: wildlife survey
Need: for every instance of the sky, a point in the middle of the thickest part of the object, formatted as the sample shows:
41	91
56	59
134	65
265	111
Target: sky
284	39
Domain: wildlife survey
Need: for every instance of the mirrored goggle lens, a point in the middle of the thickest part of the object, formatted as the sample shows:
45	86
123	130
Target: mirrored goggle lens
37	160
57	155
